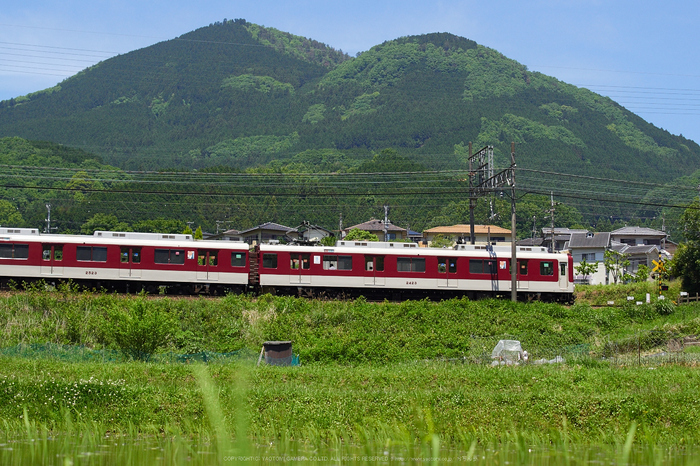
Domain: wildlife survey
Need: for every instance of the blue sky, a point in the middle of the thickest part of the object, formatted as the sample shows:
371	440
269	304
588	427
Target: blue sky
643	54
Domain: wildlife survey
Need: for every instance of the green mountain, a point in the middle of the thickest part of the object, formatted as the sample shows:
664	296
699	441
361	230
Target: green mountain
240	95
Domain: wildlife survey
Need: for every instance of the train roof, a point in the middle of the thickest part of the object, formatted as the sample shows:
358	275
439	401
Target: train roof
130	238
398	248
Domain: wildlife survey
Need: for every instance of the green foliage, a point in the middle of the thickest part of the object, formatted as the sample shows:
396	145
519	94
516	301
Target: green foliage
329	241
360	235
642	274
264	84
140	330
198	233
615	264
442	241
9	215
314	114
299	47
524	131
362	105
586	269
103	222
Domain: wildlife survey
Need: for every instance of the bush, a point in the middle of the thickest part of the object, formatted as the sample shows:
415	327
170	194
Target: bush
140	330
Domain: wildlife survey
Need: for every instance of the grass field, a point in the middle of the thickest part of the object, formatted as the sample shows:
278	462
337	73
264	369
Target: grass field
375	378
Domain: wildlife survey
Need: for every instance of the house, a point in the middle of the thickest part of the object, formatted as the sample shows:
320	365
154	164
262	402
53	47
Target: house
482	233
642	254
377	227
228	235
267	232
590	247
560	236
307	232
637	236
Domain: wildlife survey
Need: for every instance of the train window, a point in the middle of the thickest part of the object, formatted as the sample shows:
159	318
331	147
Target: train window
546	268
270	261
300	260
410	264
374	263
89	253
82	253
522	265
14	251
562	269
135	255
446	264
58	252
330	262
482	266
207	258
169	256
344	262
238	259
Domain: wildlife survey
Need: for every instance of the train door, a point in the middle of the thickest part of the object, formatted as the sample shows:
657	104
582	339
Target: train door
300	268
207	265
523	280
563	276
447	272
52	259
374	270
130	262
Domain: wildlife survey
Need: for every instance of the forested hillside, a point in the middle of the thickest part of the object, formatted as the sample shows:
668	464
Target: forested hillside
239	99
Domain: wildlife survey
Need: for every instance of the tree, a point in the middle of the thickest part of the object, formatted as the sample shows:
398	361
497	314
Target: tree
586	269
642	274
360	235
442	241
328	241
103	222
198	233
686	261
9	215
615	263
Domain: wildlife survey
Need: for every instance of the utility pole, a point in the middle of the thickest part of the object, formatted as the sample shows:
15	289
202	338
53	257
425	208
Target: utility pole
386	220
340	226
513	236
551	215
48	219
472	198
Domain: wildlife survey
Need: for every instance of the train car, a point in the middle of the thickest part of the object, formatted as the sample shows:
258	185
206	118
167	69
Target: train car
124	261
404	270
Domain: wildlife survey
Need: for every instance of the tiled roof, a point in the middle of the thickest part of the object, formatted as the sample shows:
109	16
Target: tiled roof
269	226
376	225
583	240
637	231
465	230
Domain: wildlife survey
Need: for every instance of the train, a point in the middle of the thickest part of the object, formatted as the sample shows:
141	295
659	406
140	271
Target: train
179	264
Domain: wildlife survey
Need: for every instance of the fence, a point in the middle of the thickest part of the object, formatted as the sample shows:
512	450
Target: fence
72	353
642	348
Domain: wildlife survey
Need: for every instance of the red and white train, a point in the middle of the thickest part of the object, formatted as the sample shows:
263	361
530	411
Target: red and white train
126	261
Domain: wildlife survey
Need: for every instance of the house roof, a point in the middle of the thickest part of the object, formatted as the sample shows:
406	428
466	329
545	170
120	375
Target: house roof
586	240
641	249
530	242
465	230
637	231
375	225
270	226
561	231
